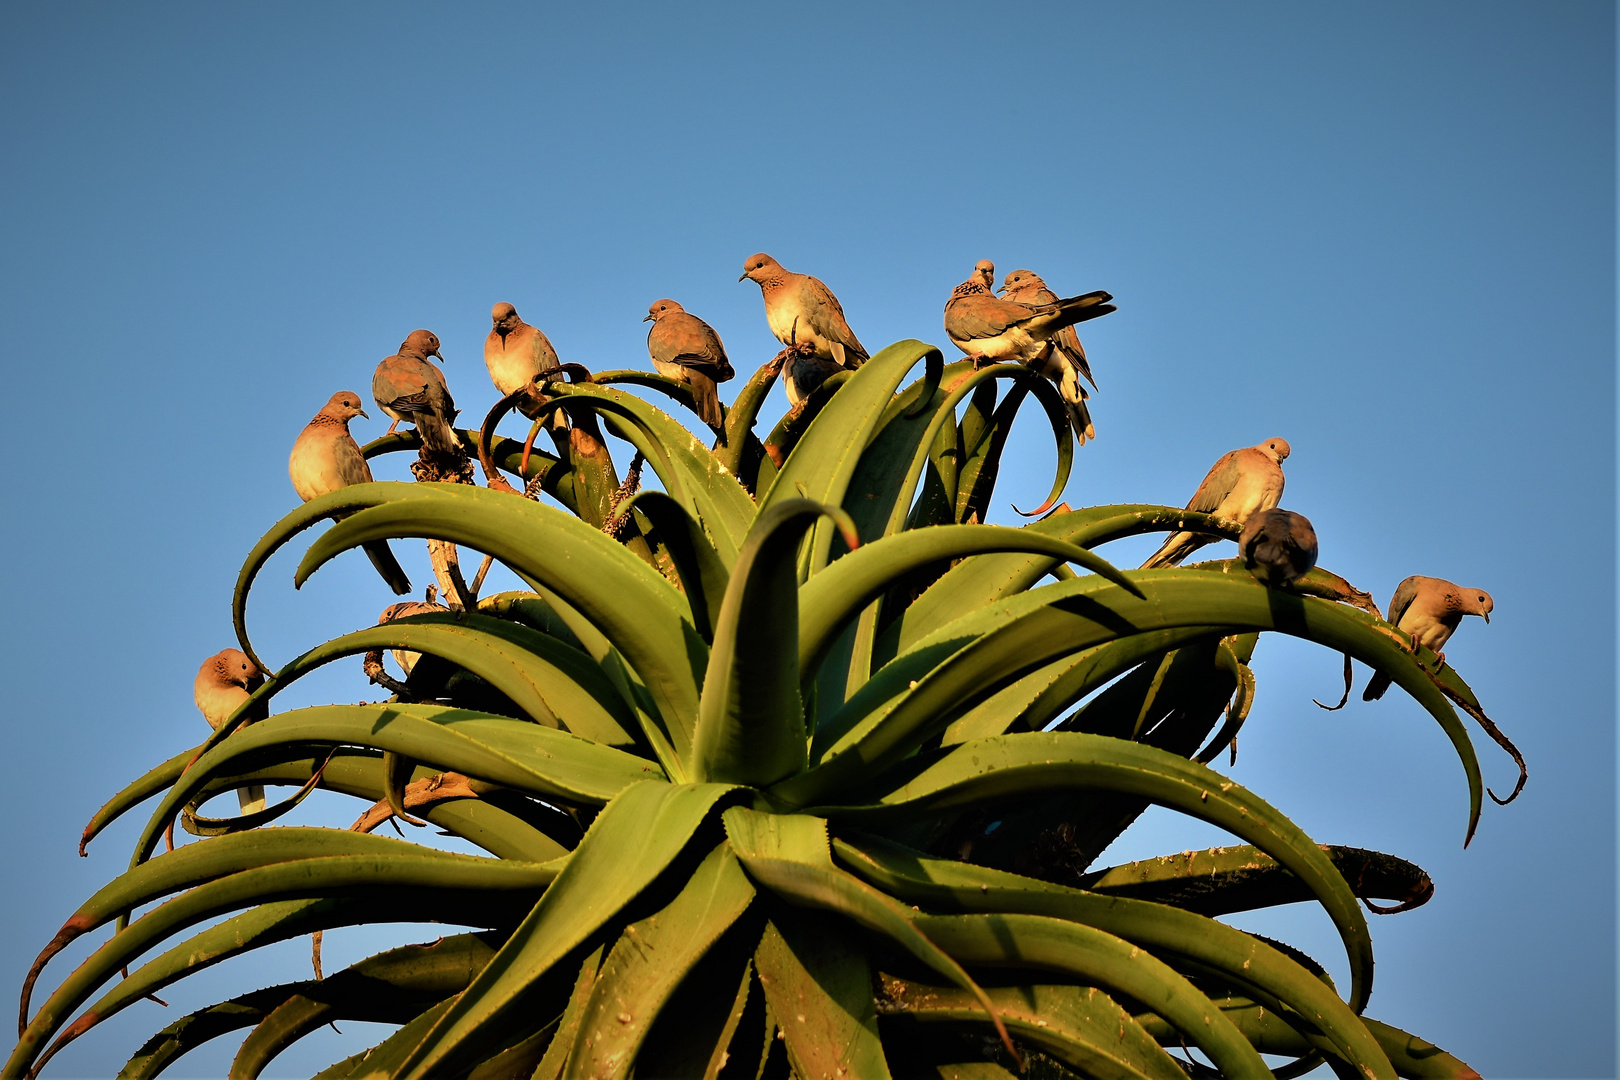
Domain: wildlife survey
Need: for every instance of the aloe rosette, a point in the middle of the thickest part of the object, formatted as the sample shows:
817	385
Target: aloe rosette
806	780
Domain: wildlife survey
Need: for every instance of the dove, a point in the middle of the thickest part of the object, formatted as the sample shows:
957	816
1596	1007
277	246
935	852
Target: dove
224	682
988	328
1239	484
325	457
805	316
685	348
410	387
1277	546
515	353
1026	287
1430	609
407	658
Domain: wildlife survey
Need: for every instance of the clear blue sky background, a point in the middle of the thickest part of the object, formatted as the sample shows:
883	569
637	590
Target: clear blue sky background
1383	231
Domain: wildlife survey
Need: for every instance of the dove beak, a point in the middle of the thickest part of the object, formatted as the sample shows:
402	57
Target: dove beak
649	318
1487	616
363	412
744	275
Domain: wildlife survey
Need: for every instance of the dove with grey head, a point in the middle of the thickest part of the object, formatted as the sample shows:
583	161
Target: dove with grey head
1241	483
1430	609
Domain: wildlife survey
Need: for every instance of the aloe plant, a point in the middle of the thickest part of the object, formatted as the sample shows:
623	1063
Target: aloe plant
806	781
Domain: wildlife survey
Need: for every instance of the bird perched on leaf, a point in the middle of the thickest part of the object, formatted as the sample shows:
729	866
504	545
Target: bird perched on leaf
1239	484
407	658
515	354
1430	609
224	682
685	348
988	328
325	458
805	316
1026	287
408	386
1277	546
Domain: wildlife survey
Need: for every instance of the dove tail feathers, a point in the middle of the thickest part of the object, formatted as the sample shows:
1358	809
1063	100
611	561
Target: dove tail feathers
382	557
1178	547
707	401
1376	686
250	799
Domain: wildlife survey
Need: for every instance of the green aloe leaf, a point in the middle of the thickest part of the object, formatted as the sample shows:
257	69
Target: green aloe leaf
985	578
513	753
383	1059
1188	941
629	844
690	473
552	683
567	1025
370	887
741	453
1036	699
751	721
649	960
1026	764
788	854
1218	881
392	987
1095	958
819	988
647	620
830	599
501	821
1078	1025
822	463
703	575
970	659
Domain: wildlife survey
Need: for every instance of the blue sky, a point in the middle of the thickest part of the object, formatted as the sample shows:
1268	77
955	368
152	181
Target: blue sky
1382	231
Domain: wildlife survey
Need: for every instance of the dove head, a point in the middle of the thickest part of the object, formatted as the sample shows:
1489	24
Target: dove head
1477	602
1275	449
759	267
230	667
660	308
985	271
505	318
344	406
1022	279
420	343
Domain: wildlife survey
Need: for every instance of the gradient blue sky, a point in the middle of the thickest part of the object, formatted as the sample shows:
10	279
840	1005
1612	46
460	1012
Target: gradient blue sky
1383	231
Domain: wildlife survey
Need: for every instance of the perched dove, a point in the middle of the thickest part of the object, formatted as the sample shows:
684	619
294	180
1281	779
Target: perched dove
989	328
1026	287
407	658
1278	546
223	683
1430	609
804	315
325	457
1240	483
410	387
687	349
515	353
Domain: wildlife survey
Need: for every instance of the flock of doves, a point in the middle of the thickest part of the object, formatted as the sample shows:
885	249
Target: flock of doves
1026	323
